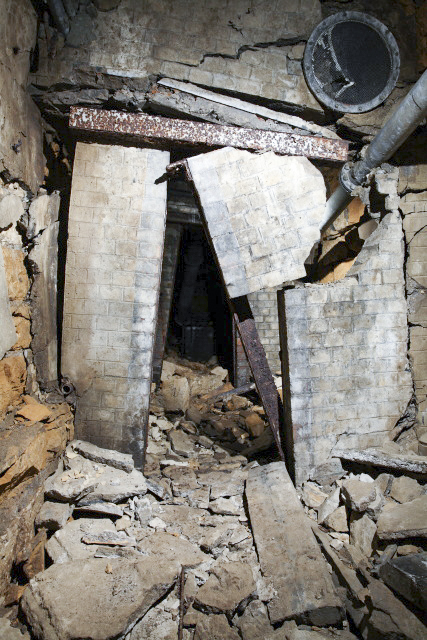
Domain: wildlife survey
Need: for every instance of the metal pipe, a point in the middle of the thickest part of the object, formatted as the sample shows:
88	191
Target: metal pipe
59	16
339	200
396	130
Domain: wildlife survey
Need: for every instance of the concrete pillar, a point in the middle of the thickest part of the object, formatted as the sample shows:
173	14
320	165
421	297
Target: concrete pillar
113	269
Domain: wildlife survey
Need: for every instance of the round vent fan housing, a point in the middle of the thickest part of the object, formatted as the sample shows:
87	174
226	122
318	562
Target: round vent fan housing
351	62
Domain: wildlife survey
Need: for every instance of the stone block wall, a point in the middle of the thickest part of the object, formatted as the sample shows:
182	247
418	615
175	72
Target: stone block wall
347	344
116	233
263	214
264	308
413	204
203	42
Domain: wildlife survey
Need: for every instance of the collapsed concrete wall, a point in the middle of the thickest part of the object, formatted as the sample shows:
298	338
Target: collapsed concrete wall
347	342
114	257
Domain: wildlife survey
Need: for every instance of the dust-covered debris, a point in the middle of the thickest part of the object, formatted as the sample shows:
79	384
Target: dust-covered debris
188	512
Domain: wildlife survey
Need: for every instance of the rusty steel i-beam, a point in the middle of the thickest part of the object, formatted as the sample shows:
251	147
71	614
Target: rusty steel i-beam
156	128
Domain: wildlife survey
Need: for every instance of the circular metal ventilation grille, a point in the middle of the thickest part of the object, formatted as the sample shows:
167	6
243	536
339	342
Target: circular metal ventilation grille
351	62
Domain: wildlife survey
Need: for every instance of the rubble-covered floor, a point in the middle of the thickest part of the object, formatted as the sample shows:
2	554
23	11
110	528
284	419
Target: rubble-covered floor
133	555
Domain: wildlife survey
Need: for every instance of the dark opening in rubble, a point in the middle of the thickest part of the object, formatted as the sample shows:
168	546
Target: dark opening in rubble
200	325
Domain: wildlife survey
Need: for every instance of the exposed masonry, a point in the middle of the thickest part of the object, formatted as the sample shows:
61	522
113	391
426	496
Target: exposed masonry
115	244
8	334
263	214
21	141
264	309
347	342
413	204
231	46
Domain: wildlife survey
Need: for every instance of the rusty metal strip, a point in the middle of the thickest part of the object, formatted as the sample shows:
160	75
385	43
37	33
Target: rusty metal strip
262	375
181	603
147	127
287	431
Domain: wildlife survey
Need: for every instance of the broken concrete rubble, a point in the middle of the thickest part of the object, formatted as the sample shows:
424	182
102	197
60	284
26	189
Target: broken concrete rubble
167	547
390	617
216	628
359	495
407	520
227	587
408	577
53	515
66	544
405	489
110	458
217	551
362	533
112	601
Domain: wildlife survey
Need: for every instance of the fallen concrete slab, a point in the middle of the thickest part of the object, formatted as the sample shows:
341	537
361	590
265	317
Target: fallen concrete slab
218	108
88	599
390	618
408	520
408	577
377	458
288	552
109	457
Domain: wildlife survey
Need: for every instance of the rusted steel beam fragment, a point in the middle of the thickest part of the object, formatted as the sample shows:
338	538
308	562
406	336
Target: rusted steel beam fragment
145	127
261	372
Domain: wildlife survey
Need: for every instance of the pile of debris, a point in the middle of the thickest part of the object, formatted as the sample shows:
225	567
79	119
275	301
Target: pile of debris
206	544
200	400
374	525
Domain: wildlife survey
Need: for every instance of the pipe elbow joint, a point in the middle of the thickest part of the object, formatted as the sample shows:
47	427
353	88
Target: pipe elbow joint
346	177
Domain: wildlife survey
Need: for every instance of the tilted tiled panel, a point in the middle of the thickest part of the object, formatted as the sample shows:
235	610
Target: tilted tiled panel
114	256
263	214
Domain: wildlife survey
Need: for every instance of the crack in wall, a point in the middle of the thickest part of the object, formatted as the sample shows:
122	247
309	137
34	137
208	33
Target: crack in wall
408	343
281	42
416	233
